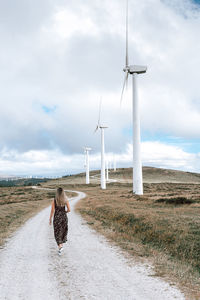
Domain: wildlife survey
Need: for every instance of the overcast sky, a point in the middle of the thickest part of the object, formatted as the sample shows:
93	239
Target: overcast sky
58	57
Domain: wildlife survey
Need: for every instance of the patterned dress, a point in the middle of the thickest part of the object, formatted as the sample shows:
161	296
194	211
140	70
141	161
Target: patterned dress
60	224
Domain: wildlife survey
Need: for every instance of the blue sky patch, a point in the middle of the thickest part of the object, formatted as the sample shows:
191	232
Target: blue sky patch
187	145
49	109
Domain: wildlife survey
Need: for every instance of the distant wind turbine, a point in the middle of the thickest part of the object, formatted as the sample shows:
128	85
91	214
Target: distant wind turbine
87	164
134	70
114	163
99	126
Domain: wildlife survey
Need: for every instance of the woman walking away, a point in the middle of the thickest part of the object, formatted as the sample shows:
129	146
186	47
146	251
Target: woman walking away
60	220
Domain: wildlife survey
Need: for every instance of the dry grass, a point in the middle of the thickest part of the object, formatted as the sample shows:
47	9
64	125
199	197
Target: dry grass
166	231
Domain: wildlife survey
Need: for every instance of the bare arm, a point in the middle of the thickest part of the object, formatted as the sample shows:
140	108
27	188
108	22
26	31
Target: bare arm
68	207
52	211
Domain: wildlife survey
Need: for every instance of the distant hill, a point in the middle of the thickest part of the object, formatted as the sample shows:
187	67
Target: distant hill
21	182
156	175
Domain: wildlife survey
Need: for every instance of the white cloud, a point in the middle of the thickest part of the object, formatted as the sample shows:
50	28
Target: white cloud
167	156
154	154
69	53
66	23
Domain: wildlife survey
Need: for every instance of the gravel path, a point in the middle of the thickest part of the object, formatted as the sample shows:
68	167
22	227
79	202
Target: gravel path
89	268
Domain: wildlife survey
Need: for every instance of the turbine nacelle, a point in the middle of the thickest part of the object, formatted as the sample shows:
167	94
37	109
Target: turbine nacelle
100	127
87	149
135	69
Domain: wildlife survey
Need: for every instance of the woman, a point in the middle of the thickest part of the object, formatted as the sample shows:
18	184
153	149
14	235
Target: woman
60	220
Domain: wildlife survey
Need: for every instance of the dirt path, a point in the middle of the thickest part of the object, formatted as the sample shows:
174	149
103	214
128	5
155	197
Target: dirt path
89	268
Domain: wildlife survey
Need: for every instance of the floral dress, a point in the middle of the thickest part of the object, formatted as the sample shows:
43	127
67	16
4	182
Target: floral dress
60	224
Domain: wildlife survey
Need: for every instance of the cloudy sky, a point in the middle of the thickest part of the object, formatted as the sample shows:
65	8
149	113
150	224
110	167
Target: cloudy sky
58	57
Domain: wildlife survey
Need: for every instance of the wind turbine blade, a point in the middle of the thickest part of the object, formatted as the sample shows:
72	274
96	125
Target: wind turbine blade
100	104
126	84
123	88
126	33
96	129
99	118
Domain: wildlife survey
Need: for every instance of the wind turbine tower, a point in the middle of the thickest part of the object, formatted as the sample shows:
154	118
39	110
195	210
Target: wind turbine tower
103	179
102	128
87	164
134	70
114	163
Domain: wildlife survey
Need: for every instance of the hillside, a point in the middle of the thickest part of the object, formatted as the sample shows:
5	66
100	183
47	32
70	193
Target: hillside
150	175
158	175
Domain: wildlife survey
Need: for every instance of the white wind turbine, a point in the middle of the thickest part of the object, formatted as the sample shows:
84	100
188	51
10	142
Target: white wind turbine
114	163
134	70
101	127
87	164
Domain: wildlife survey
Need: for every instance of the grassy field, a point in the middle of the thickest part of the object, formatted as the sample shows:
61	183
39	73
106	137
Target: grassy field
161	227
